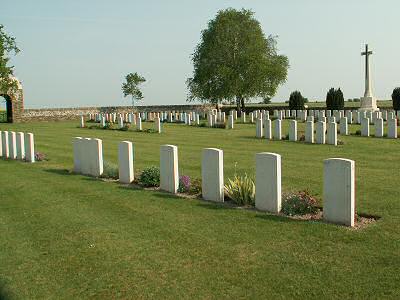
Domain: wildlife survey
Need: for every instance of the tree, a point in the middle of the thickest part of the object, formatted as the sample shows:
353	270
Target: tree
266	100
7	47
396	98
334	99
296	100
330	98
131	86
235	61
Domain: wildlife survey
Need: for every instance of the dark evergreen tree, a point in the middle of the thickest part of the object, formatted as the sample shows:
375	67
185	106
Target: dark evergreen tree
296	100
339	99
334	99
396	98
330	98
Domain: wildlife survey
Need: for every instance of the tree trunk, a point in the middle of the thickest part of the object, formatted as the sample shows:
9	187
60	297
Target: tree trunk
238	101
242	103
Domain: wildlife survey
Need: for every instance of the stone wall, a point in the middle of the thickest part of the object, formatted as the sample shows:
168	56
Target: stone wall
61	114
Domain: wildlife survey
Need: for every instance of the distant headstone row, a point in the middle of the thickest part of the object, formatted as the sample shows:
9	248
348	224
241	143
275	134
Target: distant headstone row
322	132
339	181
18	145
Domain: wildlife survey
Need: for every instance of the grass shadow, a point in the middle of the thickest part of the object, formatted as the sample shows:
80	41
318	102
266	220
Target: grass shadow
214	205
284	219
59	171
5	293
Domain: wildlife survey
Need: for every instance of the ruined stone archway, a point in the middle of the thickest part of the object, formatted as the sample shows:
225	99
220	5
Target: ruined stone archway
14	103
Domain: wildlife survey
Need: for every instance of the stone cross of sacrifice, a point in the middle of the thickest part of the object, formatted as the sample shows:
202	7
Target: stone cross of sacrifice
368	92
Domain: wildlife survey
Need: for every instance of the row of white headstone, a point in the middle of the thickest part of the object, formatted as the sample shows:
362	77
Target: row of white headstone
189	118
17	145
352	116
137	122
339	180
324	132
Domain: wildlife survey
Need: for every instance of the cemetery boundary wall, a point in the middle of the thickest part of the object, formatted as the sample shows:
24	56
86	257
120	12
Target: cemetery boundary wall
62	114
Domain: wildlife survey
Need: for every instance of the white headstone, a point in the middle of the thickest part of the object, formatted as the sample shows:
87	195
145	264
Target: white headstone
125	159
78	154
94	157
344	127
379	127
339	191
251	115
293	131
278	129
20	142
259	128
157	124
364	127
332	134
12	144
392	128
309	134
120	122
29	148
268	129
349	116
268	182
320	132
212	174
5	144
169	174
230	121
82	124
139	123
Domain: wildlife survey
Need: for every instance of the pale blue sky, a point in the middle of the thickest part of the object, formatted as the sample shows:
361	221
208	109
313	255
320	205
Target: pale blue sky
76	53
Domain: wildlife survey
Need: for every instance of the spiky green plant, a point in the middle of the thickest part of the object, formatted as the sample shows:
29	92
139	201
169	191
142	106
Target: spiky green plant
241	190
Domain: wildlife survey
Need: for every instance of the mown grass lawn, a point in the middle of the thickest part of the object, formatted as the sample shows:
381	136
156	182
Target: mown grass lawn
69	236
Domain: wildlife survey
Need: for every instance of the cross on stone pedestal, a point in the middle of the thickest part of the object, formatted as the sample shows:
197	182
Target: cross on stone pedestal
368	92
368	102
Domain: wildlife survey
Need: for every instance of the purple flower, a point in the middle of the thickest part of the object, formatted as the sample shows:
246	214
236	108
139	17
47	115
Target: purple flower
184	183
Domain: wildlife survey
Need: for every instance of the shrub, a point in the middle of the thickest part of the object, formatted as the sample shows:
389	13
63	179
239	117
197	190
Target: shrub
219	125
150	130
184	184
396	98
358	132
195	187
150	177
125	127
300	203
334	99
241	190
109	126
40	156
296	100
110	170
202	125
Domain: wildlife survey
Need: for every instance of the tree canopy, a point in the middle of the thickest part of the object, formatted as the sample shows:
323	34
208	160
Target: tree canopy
334	99
131	86
7	47
235	61
296	100
396	98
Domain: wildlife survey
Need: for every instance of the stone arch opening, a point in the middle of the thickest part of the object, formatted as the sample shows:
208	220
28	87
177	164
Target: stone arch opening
13	102
6	109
